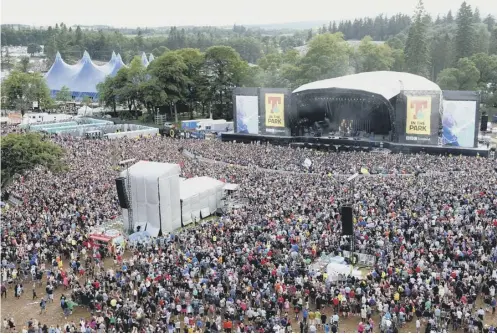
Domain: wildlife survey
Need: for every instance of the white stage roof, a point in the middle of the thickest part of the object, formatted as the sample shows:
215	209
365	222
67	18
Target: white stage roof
197	185
385	83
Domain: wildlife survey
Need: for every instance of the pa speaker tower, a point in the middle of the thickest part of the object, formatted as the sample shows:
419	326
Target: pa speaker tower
347	223
484	123
121	192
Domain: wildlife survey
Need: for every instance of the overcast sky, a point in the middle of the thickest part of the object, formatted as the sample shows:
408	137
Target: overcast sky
154	13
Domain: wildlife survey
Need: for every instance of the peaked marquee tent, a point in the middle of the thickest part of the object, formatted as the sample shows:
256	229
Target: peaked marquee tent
83	77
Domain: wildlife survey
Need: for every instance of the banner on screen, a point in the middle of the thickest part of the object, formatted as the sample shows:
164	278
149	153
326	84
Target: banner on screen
458	123
418	115
247	114
275	110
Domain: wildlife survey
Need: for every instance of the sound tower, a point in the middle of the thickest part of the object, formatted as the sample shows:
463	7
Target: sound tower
347	223
121	192
484	123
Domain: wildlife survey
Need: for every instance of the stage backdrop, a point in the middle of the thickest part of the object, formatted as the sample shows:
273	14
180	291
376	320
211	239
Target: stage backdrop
246	110
460	119
418	117
274	105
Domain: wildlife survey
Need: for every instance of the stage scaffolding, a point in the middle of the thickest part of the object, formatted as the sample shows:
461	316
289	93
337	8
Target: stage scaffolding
346	113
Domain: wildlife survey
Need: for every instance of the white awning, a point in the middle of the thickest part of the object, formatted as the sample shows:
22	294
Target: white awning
385	83
230	186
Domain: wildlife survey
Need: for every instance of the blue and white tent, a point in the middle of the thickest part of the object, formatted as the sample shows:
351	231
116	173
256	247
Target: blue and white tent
151	58
108	67
118	64
83	77
144	59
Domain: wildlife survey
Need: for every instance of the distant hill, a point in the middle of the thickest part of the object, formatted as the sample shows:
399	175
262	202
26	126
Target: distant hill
270	26
289	25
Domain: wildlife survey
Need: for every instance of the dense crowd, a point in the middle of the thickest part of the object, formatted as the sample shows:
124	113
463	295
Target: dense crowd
433	237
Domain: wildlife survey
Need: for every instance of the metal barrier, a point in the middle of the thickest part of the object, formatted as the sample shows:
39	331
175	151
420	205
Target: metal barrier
363	259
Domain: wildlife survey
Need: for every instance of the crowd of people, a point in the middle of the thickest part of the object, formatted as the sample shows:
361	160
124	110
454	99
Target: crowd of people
433	237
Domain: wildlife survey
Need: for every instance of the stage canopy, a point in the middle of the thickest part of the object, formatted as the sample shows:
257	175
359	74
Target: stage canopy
357	105
83	77
385	83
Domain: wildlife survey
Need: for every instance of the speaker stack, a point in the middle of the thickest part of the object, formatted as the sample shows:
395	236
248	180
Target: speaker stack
484	123
121	192
347	221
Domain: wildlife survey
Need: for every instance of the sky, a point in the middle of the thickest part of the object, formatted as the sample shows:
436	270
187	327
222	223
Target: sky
156	13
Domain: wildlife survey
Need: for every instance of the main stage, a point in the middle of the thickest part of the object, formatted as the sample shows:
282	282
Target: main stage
347	144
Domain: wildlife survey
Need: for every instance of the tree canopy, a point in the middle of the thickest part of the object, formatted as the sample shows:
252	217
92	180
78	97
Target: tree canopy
196	68
21	152
21	89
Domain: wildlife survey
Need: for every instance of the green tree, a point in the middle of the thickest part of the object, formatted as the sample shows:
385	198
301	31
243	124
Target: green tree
493	42
22	152
464	76
448	79
157	52
33	48
107	93
487	66
417	53
441	54
63	95
6	59
170	71
481	39
20	90
23	64
465	32
371	57
327	57
194	61
225	70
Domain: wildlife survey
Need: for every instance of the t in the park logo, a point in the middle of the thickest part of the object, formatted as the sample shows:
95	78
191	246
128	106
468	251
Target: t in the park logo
275	110
418	115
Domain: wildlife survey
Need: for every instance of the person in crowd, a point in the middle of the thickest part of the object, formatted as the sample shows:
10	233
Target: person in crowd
432	238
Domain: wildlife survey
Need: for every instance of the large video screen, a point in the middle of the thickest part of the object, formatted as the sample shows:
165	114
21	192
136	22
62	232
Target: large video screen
458	123
247	114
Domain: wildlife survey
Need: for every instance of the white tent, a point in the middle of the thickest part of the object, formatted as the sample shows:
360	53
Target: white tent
154	197
338	268
200	197
385	83
85	111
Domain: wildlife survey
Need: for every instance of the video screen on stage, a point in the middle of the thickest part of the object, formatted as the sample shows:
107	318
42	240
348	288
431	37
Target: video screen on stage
247	114
458	123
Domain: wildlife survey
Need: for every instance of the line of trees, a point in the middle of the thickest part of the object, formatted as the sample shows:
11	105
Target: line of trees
459	52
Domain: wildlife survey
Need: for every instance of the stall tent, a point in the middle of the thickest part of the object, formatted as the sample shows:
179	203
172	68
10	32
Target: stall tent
200	197
155	197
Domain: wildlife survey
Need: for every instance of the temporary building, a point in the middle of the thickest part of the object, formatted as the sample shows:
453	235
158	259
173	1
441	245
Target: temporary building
200	198
151	58
85	111
154	198
337	270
